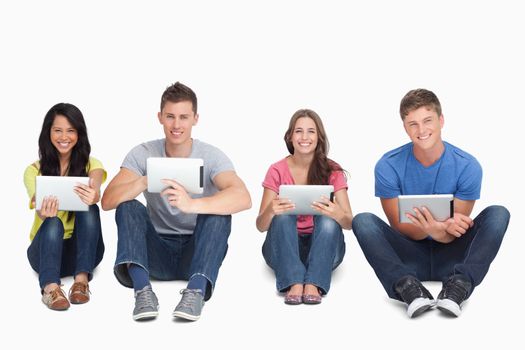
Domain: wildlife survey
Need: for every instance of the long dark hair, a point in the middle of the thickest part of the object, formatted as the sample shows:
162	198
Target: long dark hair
49	155
321	166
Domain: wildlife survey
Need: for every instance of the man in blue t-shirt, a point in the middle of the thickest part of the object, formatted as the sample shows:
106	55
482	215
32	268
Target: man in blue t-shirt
457	251
178	236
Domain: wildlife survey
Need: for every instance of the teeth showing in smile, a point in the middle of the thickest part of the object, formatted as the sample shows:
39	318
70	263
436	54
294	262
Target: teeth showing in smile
424	137
63	144
177	133
304	144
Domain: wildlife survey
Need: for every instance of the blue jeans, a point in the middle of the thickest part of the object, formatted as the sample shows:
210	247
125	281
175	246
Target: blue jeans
170	257
303	258
393	255
53	257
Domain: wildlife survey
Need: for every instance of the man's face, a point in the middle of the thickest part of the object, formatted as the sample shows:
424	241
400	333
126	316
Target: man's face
178	119
423	126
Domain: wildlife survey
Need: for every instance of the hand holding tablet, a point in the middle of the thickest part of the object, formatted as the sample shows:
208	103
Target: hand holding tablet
63	189
304	196
440	206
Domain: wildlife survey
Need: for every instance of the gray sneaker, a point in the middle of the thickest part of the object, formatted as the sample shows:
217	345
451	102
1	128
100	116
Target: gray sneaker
190	306
146	304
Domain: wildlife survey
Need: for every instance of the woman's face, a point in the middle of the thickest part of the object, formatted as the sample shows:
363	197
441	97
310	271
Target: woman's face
63	136
304	136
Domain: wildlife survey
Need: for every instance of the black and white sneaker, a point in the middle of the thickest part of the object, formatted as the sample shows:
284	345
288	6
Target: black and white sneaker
417	297
455	291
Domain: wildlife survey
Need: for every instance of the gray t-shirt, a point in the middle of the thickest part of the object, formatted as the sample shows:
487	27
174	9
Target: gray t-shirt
165	218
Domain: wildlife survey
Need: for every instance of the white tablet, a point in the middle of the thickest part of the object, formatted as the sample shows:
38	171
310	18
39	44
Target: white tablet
189	172
304	195
62	188
441	206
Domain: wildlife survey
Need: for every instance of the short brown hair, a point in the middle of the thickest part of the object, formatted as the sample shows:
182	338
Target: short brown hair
179	92
418	98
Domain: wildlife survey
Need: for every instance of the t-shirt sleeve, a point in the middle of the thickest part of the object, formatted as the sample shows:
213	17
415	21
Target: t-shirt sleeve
469	182
338	180
386	180
135	160
218	162
30	182
272	180
97	164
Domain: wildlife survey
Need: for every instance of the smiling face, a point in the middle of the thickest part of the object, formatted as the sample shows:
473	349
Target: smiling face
63	136
178	119
304	136
423	126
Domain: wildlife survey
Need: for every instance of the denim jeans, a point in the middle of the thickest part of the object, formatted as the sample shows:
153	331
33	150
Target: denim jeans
393	255
303	258
170	257
53	257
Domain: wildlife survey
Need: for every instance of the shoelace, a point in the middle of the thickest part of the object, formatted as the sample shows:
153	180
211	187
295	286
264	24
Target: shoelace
145	299
414	291
189	297
56	294
79	288
455	291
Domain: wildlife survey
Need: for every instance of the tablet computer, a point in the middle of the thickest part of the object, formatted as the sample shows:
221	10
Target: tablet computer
441	206
303	196
62	188
189	172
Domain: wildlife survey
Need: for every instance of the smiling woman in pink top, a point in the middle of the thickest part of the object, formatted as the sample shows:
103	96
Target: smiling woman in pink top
303	250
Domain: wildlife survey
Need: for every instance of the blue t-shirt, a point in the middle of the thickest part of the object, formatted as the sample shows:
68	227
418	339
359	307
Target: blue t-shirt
455	172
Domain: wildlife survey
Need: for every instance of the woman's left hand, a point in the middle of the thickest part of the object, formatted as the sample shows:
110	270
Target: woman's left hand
88	194
328	208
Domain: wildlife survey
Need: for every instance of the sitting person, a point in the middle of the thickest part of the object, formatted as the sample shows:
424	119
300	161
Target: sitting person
457	251
178	236
65	243
304	249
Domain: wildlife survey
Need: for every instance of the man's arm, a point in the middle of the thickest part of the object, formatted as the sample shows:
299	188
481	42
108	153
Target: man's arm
125	186
231	198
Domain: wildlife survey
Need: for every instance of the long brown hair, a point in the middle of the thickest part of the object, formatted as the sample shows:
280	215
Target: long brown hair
321	166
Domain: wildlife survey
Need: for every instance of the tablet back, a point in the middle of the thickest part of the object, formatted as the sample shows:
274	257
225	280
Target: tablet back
303	196
62	188
441	206
189	172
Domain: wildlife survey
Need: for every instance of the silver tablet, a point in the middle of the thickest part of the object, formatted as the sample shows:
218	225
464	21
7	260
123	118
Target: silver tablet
189	172
441	206
62	188
303	196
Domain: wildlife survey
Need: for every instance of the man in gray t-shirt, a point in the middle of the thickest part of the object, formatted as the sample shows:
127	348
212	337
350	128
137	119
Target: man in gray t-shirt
179	235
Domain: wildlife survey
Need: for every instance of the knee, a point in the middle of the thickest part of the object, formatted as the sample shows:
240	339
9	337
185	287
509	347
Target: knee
91	216
52	229
132	207
499	213
283	221
215	220
363	221
328	226
497	217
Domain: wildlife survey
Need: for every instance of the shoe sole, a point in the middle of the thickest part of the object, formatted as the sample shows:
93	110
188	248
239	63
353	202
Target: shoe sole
146	316
449	307
185	315
419	306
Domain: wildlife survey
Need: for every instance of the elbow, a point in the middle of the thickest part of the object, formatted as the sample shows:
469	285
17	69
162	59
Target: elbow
246	200
106	204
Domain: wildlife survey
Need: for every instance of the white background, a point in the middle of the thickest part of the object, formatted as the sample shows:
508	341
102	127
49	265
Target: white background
252	66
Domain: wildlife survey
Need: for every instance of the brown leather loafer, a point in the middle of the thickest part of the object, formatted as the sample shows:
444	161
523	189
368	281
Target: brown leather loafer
79	293
55	300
